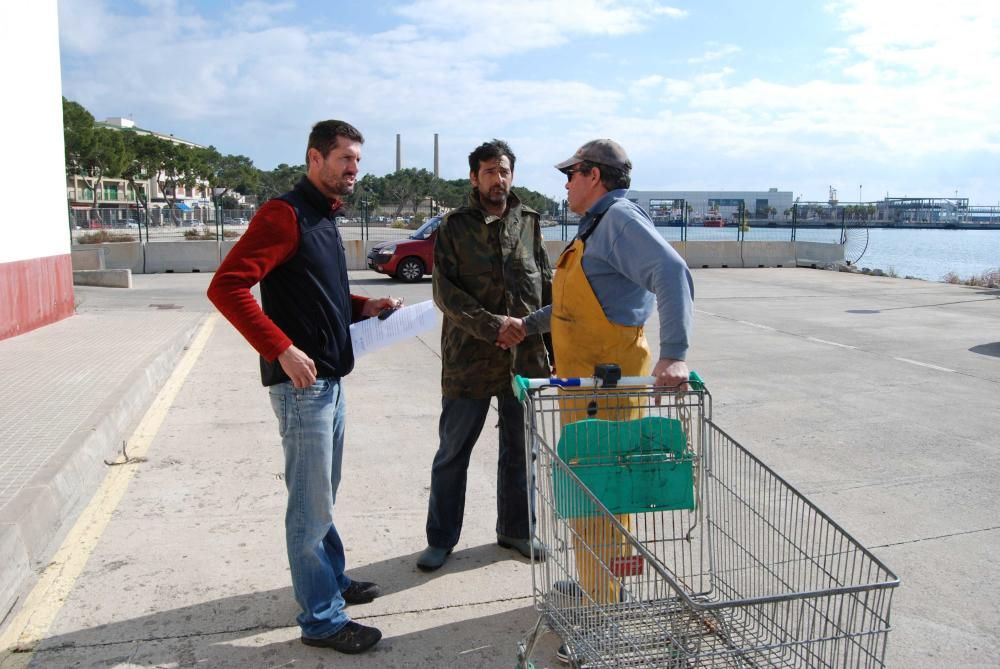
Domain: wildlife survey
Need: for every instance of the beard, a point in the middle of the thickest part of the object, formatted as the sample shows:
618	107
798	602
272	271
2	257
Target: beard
497	195
337	183
343	186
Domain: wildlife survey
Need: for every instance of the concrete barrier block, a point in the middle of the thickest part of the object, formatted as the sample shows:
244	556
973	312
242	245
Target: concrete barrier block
205	256
768	254
554	248
224	249
89	256
709	254
356	251
817	254
108	278
114	255
182	256
123	255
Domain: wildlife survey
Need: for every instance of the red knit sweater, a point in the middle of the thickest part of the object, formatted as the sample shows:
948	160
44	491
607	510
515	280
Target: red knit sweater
271	239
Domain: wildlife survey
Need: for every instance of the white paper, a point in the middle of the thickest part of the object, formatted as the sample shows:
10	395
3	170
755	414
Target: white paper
372	334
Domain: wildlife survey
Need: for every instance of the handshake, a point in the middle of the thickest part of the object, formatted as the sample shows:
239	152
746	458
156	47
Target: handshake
511	333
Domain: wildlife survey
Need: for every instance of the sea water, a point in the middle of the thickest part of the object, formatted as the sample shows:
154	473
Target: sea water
920	253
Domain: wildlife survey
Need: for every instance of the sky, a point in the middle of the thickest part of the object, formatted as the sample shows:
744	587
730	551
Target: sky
870	97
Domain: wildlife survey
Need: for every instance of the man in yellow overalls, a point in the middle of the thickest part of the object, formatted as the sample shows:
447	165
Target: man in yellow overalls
607	283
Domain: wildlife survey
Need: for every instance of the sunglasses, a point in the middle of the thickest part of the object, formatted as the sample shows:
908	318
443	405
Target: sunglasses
569	174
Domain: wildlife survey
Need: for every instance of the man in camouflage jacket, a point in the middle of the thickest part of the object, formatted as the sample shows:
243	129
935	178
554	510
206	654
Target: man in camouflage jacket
489	265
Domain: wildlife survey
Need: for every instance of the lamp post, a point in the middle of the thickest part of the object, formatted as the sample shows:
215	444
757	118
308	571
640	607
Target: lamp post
220	229
565	207
859	193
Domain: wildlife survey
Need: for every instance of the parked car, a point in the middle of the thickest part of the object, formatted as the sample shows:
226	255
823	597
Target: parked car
407	259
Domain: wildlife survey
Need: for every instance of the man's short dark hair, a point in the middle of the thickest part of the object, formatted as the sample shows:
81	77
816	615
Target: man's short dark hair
325	133
612	177
490	151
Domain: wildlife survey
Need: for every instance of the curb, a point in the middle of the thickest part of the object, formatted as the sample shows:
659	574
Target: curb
34	522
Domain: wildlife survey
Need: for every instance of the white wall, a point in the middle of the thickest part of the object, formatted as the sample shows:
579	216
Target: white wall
34	223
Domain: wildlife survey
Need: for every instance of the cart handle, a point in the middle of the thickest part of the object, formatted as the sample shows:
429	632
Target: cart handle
521	385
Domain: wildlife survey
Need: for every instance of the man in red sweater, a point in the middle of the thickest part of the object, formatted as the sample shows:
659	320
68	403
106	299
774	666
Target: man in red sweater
293	249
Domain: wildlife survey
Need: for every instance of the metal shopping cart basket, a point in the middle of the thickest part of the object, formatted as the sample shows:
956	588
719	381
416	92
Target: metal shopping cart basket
669	545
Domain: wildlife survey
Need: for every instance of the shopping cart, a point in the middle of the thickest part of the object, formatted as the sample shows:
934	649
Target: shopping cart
672	546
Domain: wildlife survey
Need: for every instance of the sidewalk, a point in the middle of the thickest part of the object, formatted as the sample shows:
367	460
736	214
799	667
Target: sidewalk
876	397
71	391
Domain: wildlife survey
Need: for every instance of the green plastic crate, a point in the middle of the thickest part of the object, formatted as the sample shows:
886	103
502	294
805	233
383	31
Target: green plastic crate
633	466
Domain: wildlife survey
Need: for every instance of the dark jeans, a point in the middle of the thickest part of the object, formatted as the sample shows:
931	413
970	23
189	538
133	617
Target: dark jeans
460	426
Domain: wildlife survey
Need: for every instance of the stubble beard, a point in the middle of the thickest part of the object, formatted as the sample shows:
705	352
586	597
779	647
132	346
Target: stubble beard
495	196
342	186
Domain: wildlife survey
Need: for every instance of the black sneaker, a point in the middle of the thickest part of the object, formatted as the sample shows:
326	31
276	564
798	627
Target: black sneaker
361	592
352	638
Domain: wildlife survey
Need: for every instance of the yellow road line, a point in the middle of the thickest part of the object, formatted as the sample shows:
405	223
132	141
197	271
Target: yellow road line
29	627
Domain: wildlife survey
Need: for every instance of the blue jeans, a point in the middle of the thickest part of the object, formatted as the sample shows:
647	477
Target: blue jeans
461	423
311	423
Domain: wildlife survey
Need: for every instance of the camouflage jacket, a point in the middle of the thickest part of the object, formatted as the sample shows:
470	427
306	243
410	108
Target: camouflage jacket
485	268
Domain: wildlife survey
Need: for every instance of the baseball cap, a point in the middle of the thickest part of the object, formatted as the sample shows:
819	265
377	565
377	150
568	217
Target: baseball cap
601	151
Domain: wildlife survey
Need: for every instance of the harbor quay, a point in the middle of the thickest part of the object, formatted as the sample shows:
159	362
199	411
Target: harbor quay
141	513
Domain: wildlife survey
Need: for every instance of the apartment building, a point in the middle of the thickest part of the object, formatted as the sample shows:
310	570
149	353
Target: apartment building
116	198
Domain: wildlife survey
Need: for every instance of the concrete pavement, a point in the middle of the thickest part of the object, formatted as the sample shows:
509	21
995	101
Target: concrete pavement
72	390
876	397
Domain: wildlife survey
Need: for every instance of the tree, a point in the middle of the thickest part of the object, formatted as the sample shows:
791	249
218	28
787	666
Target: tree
178	166
228	173
78	128
91	152
143	161
452	193
408	186
277	181
535	200
368	193
105	155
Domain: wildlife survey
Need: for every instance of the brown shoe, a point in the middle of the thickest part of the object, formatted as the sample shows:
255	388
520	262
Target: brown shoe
352	638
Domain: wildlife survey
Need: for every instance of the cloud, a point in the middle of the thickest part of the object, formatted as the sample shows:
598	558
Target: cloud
672	12
909	89
902	85
715	51
256	14
527	24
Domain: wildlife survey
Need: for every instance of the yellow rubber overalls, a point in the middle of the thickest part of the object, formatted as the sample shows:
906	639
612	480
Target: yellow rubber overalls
583	337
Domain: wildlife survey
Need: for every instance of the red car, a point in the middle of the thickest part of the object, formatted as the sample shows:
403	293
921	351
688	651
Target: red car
407	259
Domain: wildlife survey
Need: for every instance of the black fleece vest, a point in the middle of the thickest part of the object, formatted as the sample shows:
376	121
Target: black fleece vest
308	296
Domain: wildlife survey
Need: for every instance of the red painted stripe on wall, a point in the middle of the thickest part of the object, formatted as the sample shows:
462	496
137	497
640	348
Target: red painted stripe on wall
34	293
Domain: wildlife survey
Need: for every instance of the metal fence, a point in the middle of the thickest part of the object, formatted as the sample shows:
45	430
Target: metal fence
678	222
157	224
675	222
